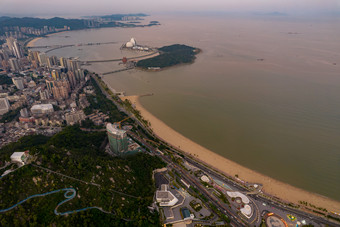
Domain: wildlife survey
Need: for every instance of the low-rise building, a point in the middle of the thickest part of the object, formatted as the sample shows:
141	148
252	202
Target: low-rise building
83	101
18	82
42	109
246	209
98	118
26	119
74	117
19	157
164	197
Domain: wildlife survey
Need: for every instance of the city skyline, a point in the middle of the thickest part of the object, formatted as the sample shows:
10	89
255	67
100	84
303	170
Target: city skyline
74	9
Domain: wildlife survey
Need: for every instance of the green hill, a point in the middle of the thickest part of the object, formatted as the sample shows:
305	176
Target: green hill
170	56
76	154
40	23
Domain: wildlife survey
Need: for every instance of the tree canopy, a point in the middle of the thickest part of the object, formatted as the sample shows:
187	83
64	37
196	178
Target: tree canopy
170	56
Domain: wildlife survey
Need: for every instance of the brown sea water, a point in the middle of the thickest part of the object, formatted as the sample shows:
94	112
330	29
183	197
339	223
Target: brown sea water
264	92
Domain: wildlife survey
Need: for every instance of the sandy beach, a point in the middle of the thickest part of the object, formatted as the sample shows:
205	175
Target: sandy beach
33	41
271	186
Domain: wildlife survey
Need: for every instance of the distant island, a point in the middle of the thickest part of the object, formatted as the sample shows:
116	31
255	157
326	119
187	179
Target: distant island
170	56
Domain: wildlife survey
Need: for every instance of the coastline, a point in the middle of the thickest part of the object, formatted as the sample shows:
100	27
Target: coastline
271	186
33	41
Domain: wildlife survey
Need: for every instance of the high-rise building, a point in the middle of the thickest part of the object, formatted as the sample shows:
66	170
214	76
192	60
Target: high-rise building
10	44
52	61
55	74
50	85
73	65
56	92
63	62
14	47
17	50
4	54
60	89
117	138
14	63
33	55
72	79
18	82
63	90
44	94
35	64
4	106
42	57
80	75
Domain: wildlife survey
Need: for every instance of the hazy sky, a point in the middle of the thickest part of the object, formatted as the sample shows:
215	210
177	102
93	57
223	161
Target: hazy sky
91	7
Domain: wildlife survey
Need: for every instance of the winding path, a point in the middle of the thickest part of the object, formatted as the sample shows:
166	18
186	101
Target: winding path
69	194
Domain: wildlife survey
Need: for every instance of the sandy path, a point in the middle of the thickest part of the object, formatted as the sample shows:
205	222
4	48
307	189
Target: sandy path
271	186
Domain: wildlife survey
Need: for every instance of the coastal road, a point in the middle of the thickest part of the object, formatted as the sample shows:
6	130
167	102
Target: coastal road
192	181
258	200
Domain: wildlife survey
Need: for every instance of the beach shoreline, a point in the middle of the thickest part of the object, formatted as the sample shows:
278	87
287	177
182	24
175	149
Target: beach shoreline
33	41
271	186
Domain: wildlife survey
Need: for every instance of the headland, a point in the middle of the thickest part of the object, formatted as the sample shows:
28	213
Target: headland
170	56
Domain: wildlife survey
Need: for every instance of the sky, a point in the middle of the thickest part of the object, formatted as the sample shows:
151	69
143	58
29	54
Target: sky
103	7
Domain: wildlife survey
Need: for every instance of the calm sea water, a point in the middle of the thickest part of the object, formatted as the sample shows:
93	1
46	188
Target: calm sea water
279	116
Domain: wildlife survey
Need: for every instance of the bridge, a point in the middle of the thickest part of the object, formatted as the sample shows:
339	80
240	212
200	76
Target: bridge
70	45
119	59
117	71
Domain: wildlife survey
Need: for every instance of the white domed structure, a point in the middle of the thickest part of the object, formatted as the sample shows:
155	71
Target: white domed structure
129	45
133	41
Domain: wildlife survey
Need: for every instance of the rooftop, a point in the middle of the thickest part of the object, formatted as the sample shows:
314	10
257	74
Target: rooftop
246	211
42	106
114	130
244	198
165	197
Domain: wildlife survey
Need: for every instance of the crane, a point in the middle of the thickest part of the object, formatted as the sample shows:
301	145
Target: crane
119	122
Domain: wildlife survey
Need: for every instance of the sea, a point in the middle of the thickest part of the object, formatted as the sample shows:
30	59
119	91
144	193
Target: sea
264	92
